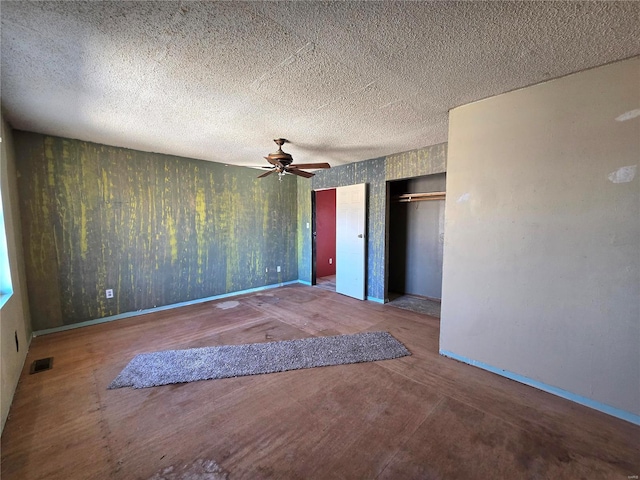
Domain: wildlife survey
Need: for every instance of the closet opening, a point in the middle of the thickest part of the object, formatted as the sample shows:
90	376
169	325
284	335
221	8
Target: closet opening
415	243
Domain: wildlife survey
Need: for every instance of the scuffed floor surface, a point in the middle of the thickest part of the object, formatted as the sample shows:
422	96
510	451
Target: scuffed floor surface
198	470
415	304
418	417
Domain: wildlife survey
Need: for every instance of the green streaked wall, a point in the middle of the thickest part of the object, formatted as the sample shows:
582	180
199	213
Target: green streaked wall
157	229
416	163
375	172
304	232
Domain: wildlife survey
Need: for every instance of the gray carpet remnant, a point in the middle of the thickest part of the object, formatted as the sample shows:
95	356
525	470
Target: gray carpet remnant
181	366
417	304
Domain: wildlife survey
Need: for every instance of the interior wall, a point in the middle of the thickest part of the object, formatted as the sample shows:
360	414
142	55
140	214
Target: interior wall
304	238
325	233
541	258
14	316
416	239
156	229
374	172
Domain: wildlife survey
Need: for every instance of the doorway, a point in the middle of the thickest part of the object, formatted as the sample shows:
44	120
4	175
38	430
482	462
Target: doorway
416	239
339	222
324	235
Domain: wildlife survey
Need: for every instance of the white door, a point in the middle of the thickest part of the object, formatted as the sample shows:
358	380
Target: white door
351	240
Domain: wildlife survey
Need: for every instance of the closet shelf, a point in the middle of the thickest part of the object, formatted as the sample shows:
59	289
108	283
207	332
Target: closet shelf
419	197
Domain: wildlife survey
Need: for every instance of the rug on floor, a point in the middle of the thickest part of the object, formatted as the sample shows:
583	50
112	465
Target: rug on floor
181	366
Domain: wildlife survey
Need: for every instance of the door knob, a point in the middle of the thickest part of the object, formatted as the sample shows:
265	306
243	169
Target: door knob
359	235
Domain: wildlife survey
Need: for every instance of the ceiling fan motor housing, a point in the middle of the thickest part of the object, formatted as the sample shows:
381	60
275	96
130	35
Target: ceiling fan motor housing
282	157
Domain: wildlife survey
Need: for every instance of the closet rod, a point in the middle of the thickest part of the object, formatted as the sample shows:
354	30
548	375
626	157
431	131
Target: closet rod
420	197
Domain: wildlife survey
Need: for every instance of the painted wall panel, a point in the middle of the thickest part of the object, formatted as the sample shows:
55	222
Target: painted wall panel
156	229
542	245
304	229
415	163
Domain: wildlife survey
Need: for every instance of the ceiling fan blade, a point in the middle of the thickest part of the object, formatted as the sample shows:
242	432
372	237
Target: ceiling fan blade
300	173
310	165
266	173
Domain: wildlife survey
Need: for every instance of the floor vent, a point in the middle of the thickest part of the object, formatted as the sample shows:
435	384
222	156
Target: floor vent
41	365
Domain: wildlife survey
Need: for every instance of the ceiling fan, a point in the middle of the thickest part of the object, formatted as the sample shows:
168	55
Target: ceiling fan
282	163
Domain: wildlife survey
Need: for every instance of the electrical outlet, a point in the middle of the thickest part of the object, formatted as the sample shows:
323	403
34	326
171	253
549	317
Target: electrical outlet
331	261
278	268
109	293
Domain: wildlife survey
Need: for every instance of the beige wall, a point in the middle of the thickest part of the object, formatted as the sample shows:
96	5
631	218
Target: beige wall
542	235
14	315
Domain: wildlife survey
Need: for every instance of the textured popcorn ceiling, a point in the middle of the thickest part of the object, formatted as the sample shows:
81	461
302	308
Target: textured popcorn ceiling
342	81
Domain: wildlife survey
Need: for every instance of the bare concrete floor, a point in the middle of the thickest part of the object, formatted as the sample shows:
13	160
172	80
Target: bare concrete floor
422	416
